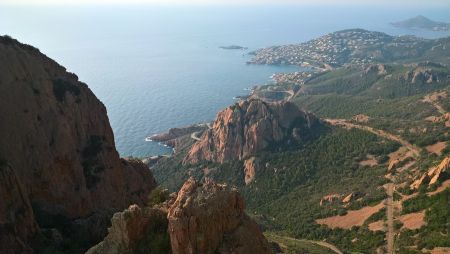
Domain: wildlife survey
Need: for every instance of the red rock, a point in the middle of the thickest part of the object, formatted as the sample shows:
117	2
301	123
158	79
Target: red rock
242	130
210	218
56	138
130	231
251	166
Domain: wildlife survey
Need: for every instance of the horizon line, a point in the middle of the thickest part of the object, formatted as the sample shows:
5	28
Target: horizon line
195	3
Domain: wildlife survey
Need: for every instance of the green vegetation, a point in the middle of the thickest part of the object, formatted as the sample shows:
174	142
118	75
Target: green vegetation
287	191
437	217
296	246
61	86
380	215
157	239
157	196
423	201
91	167
3	164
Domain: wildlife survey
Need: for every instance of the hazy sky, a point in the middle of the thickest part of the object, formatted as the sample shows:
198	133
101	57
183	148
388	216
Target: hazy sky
238	2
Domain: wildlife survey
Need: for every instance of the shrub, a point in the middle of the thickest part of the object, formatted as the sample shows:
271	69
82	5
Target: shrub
61	86
157	196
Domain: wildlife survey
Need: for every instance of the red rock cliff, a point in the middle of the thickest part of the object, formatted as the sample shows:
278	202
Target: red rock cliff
57	146
251	126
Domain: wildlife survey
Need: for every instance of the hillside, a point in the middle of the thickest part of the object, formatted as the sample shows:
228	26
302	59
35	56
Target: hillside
355	46
422	22
374	179
407	103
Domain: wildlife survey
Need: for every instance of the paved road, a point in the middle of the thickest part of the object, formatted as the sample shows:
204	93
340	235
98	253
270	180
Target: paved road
195	136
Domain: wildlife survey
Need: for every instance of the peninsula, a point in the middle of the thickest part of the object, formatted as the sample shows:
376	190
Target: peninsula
233	47
421	22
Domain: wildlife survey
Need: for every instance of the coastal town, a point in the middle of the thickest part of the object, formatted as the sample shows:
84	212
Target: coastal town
354	46
297	78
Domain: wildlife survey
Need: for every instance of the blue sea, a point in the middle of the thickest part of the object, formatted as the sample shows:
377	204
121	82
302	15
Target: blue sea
159	67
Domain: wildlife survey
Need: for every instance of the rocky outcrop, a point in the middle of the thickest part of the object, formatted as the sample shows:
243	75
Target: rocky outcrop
379	69
251	166
202	218
348	198
329	199
136	230
59	147
209	218
433	174
422	75
250	126
175	133
361	118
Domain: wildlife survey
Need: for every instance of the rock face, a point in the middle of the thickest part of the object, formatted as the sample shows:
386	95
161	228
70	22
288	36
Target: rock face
202	218
251	126
433	174
422	75
136	230
17	224
380	69
210	218
58	146
251	166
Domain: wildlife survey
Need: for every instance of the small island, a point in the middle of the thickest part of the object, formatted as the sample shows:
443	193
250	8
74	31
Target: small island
421	22
234	47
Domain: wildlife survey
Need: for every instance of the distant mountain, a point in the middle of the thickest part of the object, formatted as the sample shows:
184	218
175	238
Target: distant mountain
422	22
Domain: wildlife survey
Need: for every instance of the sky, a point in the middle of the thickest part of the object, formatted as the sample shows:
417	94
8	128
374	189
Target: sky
429	3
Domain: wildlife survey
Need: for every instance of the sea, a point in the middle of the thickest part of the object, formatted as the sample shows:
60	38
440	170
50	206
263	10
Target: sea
157	67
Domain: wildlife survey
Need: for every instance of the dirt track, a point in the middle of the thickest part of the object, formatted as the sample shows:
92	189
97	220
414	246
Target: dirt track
390	233
342	122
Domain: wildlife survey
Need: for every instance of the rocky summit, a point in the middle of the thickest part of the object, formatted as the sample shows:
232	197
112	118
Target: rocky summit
251	126
202	218
59	168
210	218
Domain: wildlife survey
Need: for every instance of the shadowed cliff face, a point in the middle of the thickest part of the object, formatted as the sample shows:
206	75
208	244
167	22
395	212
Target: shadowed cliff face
249	127
57	145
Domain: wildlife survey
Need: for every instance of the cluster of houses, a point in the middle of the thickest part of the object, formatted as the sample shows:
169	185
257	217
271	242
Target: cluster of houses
297	77
356	46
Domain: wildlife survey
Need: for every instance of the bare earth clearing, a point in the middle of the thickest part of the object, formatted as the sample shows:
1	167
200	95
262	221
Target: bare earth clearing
413	220
352	218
